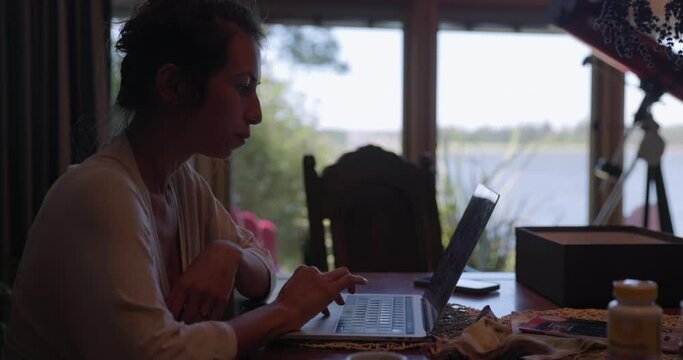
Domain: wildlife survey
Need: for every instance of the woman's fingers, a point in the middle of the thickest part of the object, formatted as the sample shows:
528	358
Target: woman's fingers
340	279
206	309
343	272
195	307
176	301
349	281
309	291
305	270
218	310
191	311
336	273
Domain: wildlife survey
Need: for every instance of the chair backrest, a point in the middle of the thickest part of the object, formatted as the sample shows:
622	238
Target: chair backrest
382	211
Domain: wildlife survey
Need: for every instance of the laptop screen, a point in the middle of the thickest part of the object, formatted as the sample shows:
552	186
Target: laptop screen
460	248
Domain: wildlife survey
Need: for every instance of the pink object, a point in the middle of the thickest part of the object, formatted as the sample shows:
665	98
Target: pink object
265	231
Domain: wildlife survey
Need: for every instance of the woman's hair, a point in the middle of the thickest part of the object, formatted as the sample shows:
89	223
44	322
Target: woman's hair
192	34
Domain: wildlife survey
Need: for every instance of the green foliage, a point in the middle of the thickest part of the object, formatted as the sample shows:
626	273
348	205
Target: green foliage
525	133
268	170
307	46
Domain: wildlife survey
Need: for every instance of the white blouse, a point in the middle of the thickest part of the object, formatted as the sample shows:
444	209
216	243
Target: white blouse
92	280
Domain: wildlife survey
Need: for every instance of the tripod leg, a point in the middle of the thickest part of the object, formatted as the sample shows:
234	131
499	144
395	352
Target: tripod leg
646	208
614	196
662	203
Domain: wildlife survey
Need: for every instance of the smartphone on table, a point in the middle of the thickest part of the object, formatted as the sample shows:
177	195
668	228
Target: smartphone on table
465	286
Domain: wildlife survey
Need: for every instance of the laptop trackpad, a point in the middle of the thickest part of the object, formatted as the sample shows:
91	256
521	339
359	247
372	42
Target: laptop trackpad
322	324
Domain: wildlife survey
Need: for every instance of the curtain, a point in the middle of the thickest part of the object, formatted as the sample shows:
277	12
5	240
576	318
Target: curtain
54	104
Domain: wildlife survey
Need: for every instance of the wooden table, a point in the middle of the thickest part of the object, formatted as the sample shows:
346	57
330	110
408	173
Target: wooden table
511	296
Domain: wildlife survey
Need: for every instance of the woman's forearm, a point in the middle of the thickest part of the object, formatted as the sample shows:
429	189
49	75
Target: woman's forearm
253	276
259	326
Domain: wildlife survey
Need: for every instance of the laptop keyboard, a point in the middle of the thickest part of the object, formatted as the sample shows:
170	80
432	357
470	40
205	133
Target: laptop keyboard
376	314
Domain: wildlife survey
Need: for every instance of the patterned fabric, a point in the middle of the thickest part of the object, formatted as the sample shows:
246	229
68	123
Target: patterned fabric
464	332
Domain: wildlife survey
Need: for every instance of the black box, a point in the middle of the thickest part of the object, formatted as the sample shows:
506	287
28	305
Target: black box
575	266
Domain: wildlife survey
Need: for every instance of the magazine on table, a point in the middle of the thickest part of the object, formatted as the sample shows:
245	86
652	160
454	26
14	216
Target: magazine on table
588	329
562	326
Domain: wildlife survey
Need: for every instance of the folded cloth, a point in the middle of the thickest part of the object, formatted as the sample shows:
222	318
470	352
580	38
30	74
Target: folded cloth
487	339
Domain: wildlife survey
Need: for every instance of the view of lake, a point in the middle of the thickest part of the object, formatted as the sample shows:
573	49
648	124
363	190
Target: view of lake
550	187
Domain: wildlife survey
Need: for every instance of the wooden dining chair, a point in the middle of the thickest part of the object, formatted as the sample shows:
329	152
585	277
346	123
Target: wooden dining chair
382	211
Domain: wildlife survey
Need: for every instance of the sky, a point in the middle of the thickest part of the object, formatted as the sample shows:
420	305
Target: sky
484	79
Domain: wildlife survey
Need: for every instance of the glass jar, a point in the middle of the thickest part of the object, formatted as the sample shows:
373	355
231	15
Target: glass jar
634	321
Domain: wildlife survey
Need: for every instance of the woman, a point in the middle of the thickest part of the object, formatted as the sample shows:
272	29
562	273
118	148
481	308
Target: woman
131	255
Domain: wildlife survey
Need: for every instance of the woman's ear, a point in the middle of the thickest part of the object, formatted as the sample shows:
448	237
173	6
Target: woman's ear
169	84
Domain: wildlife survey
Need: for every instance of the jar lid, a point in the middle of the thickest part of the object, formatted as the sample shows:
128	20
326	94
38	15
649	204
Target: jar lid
635	290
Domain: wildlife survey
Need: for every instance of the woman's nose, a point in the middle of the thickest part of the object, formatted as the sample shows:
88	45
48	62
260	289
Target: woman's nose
253	114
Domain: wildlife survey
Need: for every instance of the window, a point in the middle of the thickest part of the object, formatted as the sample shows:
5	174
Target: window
512	112
324	108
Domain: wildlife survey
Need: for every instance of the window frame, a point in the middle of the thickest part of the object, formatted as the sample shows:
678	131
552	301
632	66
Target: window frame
420	20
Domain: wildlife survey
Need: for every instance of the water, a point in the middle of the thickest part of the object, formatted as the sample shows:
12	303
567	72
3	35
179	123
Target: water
550	187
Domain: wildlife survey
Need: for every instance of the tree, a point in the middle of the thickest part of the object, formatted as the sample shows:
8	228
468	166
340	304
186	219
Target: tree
268	172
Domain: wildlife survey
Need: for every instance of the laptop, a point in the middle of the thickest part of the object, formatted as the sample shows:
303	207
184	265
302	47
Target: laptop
405	317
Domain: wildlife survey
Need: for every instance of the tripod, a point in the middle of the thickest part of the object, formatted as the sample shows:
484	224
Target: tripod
651	150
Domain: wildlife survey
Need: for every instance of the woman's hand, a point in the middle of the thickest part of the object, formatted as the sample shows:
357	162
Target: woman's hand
309	291
305	294
204	289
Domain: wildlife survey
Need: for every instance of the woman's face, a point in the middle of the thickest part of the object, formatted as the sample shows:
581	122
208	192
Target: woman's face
223	120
